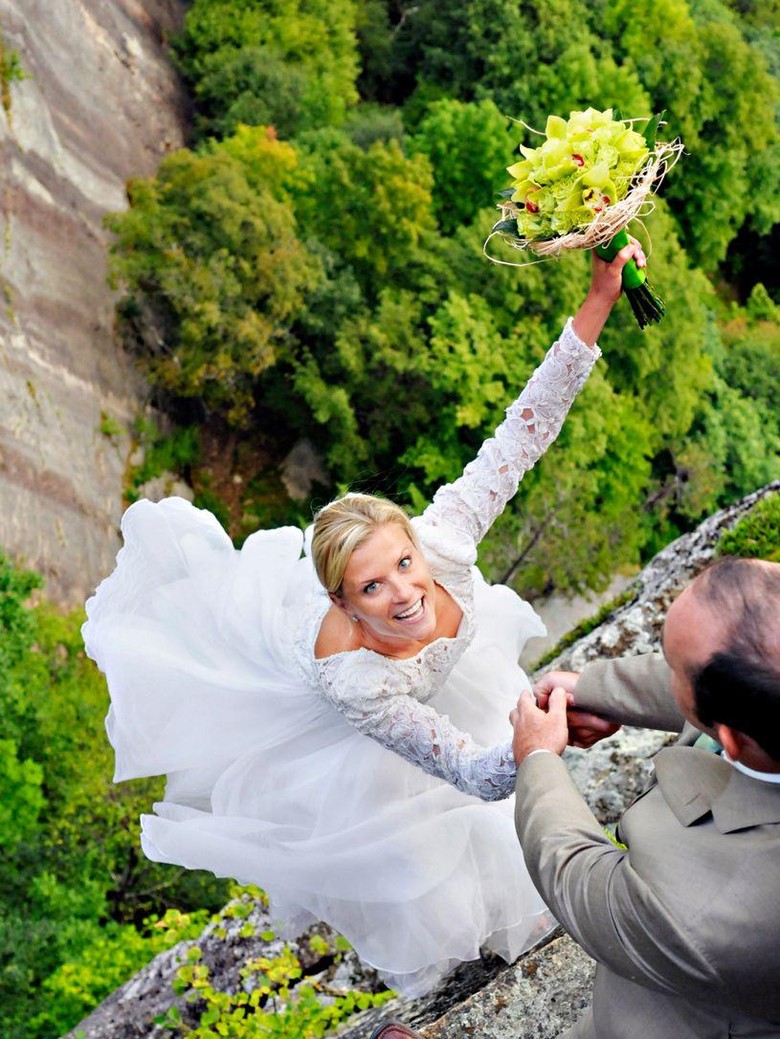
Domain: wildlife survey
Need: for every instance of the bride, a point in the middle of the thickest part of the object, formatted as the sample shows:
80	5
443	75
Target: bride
330	708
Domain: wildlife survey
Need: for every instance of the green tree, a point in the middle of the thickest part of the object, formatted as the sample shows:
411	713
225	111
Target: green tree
530	59
697	62
575	520
661	44
713	71
289	63
213	271
733	446
71	873
372	208
373	360
469	146
472	372
668	367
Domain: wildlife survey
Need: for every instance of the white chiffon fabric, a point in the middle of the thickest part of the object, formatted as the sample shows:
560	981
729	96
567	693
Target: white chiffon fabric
371	793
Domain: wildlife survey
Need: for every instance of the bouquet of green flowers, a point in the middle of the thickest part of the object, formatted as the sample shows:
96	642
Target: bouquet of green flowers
589	178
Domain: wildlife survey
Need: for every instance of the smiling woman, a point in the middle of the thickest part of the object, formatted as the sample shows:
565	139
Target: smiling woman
385	598
333	724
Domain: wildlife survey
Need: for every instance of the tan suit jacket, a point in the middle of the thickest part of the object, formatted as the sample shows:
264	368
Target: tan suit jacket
684	924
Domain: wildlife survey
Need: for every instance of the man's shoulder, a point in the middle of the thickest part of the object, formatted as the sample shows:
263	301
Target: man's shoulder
697	782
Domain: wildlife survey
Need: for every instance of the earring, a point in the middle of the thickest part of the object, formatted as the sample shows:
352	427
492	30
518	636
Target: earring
354	618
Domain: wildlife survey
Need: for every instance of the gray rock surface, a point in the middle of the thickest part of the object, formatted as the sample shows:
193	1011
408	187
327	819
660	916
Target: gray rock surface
99	104
545	991
635	627
538	998
225	946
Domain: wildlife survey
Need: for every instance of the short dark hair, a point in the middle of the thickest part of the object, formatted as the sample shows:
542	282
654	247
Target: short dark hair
739	685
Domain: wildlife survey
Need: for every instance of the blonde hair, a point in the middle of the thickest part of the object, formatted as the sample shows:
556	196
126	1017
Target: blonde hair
344	525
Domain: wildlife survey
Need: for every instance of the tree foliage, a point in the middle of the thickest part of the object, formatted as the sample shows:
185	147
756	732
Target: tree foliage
71	875
371	207
288	63
214	269
468	145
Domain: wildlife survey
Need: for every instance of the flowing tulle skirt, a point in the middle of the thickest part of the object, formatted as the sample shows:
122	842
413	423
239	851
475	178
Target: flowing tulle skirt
268	784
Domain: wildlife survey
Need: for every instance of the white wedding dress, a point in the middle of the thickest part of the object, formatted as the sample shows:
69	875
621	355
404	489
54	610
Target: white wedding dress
368	792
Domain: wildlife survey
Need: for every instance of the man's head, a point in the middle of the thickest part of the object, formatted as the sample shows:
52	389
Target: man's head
722	642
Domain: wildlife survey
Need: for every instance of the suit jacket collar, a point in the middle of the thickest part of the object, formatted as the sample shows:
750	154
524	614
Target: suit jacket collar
695	782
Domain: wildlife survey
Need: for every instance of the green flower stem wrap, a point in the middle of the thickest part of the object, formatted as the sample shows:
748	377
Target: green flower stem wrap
632	276
647	307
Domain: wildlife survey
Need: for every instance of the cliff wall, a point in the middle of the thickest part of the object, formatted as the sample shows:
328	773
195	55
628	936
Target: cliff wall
100	103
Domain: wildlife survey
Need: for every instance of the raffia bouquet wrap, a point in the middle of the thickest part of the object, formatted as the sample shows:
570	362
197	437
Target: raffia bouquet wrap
581	187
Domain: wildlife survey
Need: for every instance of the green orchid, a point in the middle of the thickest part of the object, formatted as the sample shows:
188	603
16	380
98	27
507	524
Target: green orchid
586	162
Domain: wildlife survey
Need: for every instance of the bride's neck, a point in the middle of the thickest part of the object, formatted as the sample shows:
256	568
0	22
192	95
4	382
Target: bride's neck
340	634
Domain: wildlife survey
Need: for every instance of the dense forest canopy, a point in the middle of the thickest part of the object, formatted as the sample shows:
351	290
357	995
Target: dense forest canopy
315	257
311	268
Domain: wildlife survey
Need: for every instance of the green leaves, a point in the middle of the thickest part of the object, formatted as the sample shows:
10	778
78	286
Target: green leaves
21	797
467	144
288	64
274	997
470	371
70	858
210	259
650	131
372	208
702	65
573	518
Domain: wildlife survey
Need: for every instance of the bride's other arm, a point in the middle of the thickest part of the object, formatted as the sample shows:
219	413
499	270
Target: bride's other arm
374	698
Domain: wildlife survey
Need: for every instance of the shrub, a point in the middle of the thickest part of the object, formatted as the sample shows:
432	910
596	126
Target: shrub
757	534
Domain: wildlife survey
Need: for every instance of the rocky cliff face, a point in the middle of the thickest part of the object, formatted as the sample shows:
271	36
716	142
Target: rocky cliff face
100	103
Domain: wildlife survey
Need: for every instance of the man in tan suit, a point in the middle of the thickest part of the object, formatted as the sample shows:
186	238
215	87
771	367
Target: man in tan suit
685	922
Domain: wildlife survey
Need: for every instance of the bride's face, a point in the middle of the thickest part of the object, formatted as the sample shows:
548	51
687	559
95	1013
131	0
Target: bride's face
388	587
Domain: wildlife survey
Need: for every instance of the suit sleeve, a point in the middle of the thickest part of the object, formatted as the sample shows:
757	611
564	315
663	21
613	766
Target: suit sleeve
593	890
632	691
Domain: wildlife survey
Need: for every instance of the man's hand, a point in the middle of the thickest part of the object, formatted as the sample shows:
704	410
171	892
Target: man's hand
536	729
585	728
566	680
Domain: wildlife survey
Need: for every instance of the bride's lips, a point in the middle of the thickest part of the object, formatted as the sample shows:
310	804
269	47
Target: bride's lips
414	613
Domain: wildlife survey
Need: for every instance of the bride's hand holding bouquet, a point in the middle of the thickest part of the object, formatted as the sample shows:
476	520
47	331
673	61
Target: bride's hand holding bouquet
591	175
606	286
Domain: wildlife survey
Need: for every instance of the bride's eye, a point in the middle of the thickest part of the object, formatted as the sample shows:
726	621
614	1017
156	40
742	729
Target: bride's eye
405	563
370	587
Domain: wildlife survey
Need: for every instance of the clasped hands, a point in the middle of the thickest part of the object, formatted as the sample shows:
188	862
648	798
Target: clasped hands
548	719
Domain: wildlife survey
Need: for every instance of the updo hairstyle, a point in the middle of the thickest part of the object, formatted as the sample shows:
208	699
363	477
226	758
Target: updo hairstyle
344	525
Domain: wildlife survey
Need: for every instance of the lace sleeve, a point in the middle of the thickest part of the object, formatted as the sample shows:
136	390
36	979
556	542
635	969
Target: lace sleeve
533	421
417	732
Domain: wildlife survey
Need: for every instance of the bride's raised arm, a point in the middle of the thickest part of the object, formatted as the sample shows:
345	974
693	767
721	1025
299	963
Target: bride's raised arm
533	421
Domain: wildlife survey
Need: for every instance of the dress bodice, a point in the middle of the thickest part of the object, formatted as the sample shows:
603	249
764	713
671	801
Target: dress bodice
387	698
